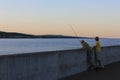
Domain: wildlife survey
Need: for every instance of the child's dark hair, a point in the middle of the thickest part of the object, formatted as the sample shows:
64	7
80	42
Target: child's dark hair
97	38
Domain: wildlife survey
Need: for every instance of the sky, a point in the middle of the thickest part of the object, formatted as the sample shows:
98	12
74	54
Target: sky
88	18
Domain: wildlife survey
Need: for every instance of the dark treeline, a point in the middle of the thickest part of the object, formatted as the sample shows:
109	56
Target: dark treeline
22	35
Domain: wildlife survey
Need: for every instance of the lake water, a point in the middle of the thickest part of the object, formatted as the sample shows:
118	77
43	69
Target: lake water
16	46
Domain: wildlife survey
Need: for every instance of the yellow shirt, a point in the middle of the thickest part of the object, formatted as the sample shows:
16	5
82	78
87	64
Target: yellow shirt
97	46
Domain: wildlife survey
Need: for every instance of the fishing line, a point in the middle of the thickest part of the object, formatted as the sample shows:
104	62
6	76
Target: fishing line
75	33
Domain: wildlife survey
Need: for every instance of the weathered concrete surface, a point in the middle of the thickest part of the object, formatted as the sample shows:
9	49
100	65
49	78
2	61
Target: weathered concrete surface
29	67
50	65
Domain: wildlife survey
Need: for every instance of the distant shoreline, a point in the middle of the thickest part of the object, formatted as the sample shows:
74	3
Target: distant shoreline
15	35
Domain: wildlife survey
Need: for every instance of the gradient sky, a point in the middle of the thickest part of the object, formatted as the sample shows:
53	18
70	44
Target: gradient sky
88	17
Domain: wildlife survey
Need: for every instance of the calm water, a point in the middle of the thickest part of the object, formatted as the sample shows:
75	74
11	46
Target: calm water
15	46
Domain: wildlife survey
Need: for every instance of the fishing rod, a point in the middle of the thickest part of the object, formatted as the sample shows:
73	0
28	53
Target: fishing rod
74	33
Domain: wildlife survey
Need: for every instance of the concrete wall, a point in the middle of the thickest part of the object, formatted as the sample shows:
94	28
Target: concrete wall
50	65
